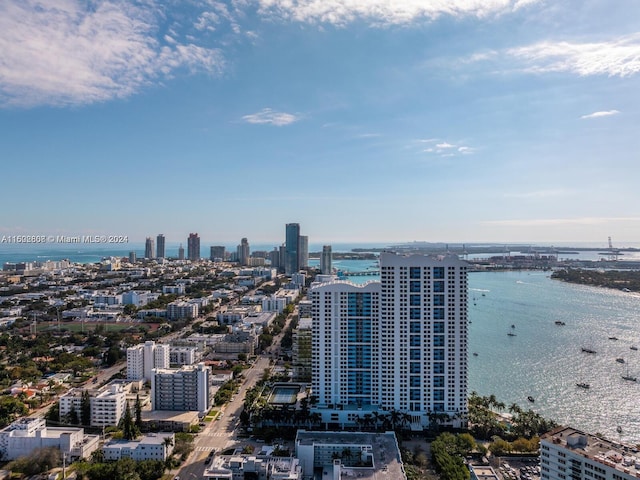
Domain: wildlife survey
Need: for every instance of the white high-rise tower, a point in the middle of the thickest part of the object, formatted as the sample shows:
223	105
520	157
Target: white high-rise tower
395	345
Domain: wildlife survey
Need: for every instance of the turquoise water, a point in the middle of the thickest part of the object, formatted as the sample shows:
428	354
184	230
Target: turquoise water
544	360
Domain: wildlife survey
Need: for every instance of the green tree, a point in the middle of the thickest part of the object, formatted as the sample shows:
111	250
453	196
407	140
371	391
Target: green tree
129	430
138	412
85	408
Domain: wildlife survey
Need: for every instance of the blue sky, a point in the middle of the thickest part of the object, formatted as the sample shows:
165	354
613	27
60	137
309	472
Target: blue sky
363	120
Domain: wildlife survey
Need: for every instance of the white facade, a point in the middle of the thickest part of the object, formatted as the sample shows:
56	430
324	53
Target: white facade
395	345
183	355
27	434
184	389
142	359
106	405
153	446
178	310
569	454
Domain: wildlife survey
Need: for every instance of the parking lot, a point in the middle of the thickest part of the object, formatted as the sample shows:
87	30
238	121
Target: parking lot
519	468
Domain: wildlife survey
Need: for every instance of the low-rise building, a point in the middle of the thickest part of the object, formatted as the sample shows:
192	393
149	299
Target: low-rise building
28	434
153	446
349	454
249	466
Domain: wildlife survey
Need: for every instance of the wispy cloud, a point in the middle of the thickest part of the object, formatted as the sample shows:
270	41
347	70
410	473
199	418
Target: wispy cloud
618	57
542	222
605	113
271	117
384	12
71	52
444	148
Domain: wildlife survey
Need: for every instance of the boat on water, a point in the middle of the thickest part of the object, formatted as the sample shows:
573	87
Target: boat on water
633	347
475	354
628	377
588	350
613	338
583	385
559	322
531	399
620	360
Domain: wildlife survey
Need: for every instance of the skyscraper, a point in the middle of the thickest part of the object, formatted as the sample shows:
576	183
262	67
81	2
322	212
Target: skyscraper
193	247
303	251
149	248
181	252
395	345
325	260
160	246
292	244
243	252
217	252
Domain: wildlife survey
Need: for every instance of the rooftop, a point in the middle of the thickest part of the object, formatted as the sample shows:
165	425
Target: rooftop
616	455
387	463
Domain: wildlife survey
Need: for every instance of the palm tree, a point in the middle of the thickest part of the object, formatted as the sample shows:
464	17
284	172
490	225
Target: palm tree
167	443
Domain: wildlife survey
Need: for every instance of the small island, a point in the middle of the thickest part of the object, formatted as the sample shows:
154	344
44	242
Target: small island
626	280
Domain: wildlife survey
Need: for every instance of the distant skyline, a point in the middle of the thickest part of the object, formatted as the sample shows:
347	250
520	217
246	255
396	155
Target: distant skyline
503	121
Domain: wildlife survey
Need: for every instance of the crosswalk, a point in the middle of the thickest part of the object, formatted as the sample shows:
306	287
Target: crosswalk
203	449
215	434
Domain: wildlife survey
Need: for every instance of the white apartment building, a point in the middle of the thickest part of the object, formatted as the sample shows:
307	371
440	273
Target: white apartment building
153	446
569	454
174	289
183	355
395	345
179	309
183	389
27	434
143	358
107	404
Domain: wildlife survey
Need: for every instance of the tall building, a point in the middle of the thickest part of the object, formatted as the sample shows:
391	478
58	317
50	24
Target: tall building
274	258
292	245
325	260
218	253
160	253
184	389
149	248
180	252
193	247
243	252
395	345
569	454
143	358
303	251
132	257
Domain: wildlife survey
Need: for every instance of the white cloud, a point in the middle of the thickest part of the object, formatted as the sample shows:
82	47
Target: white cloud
385	12
69	53
605	113
445	145
271	117
619	57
